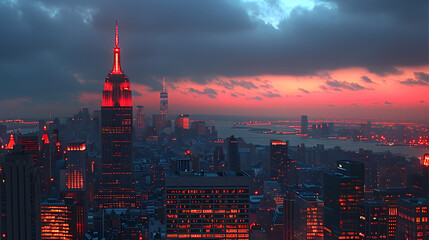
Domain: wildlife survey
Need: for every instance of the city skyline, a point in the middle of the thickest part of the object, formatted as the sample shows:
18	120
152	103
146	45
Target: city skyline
320	58
250	119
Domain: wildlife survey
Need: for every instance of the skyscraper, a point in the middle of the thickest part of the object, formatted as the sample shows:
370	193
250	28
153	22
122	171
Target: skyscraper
233	156
288	216
44	165
342	192
163	106
426	175
116	189
282	169
19	197
76	158
304	125
141	123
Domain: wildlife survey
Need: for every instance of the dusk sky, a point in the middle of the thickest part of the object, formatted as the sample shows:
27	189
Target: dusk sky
333	58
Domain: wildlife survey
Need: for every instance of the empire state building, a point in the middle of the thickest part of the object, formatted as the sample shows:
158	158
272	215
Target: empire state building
116	189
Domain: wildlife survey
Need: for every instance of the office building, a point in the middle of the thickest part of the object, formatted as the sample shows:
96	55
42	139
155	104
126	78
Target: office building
61	220
233	157
182	122
288	215
342	191
282	169
412	221
374	220
158	123
391	196
116	189
75	161
207	205
141	123
304	125
44	165
308	212
425	180
19	197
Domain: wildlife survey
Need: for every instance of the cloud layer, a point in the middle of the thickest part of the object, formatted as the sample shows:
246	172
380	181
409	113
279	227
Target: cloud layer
55	50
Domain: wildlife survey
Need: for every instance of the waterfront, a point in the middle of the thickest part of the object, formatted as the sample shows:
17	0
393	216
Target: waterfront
225	129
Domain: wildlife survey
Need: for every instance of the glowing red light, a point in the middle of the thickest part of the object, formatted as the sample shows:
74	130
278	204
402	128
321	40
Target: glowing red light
256	192
116	65
45	138
11	142
426	160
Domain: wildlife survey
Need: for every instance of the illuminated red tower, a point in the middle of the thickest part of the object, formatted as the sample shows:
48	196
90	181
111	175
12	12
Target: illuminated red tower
116	189
44	165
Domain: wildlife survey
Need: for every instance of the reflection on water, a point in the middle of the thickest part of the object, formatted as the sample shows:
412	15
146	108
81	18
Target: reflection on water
225	129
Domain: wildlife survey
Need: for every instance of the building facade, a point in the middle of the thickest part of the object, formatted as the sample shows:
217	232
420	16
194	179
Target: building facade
342	191
207	205
19	197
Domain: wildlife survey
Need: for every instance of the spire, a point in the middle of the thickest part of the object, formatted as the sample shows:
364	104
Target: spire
163	84
116	51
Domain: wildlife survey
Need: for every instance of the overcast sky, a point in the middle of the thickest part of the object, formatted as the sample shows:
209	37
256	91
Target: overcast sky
331	58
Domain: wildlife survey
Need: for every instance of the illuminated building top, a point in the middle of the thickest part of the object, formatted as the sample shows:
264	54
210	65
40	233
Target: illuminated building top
45	138
117	90
277	142
426	160
11	142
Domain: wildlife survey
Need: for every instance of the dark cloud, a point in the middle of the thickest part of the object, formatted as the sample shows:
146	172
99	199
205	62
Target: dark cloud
136	93
366	79
46	43
210	92
268	86
384	70
255	98
420	78
231	84
422	101
323	87
233	95
331	105
337	85
270	94
411	81
303	90
388	103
